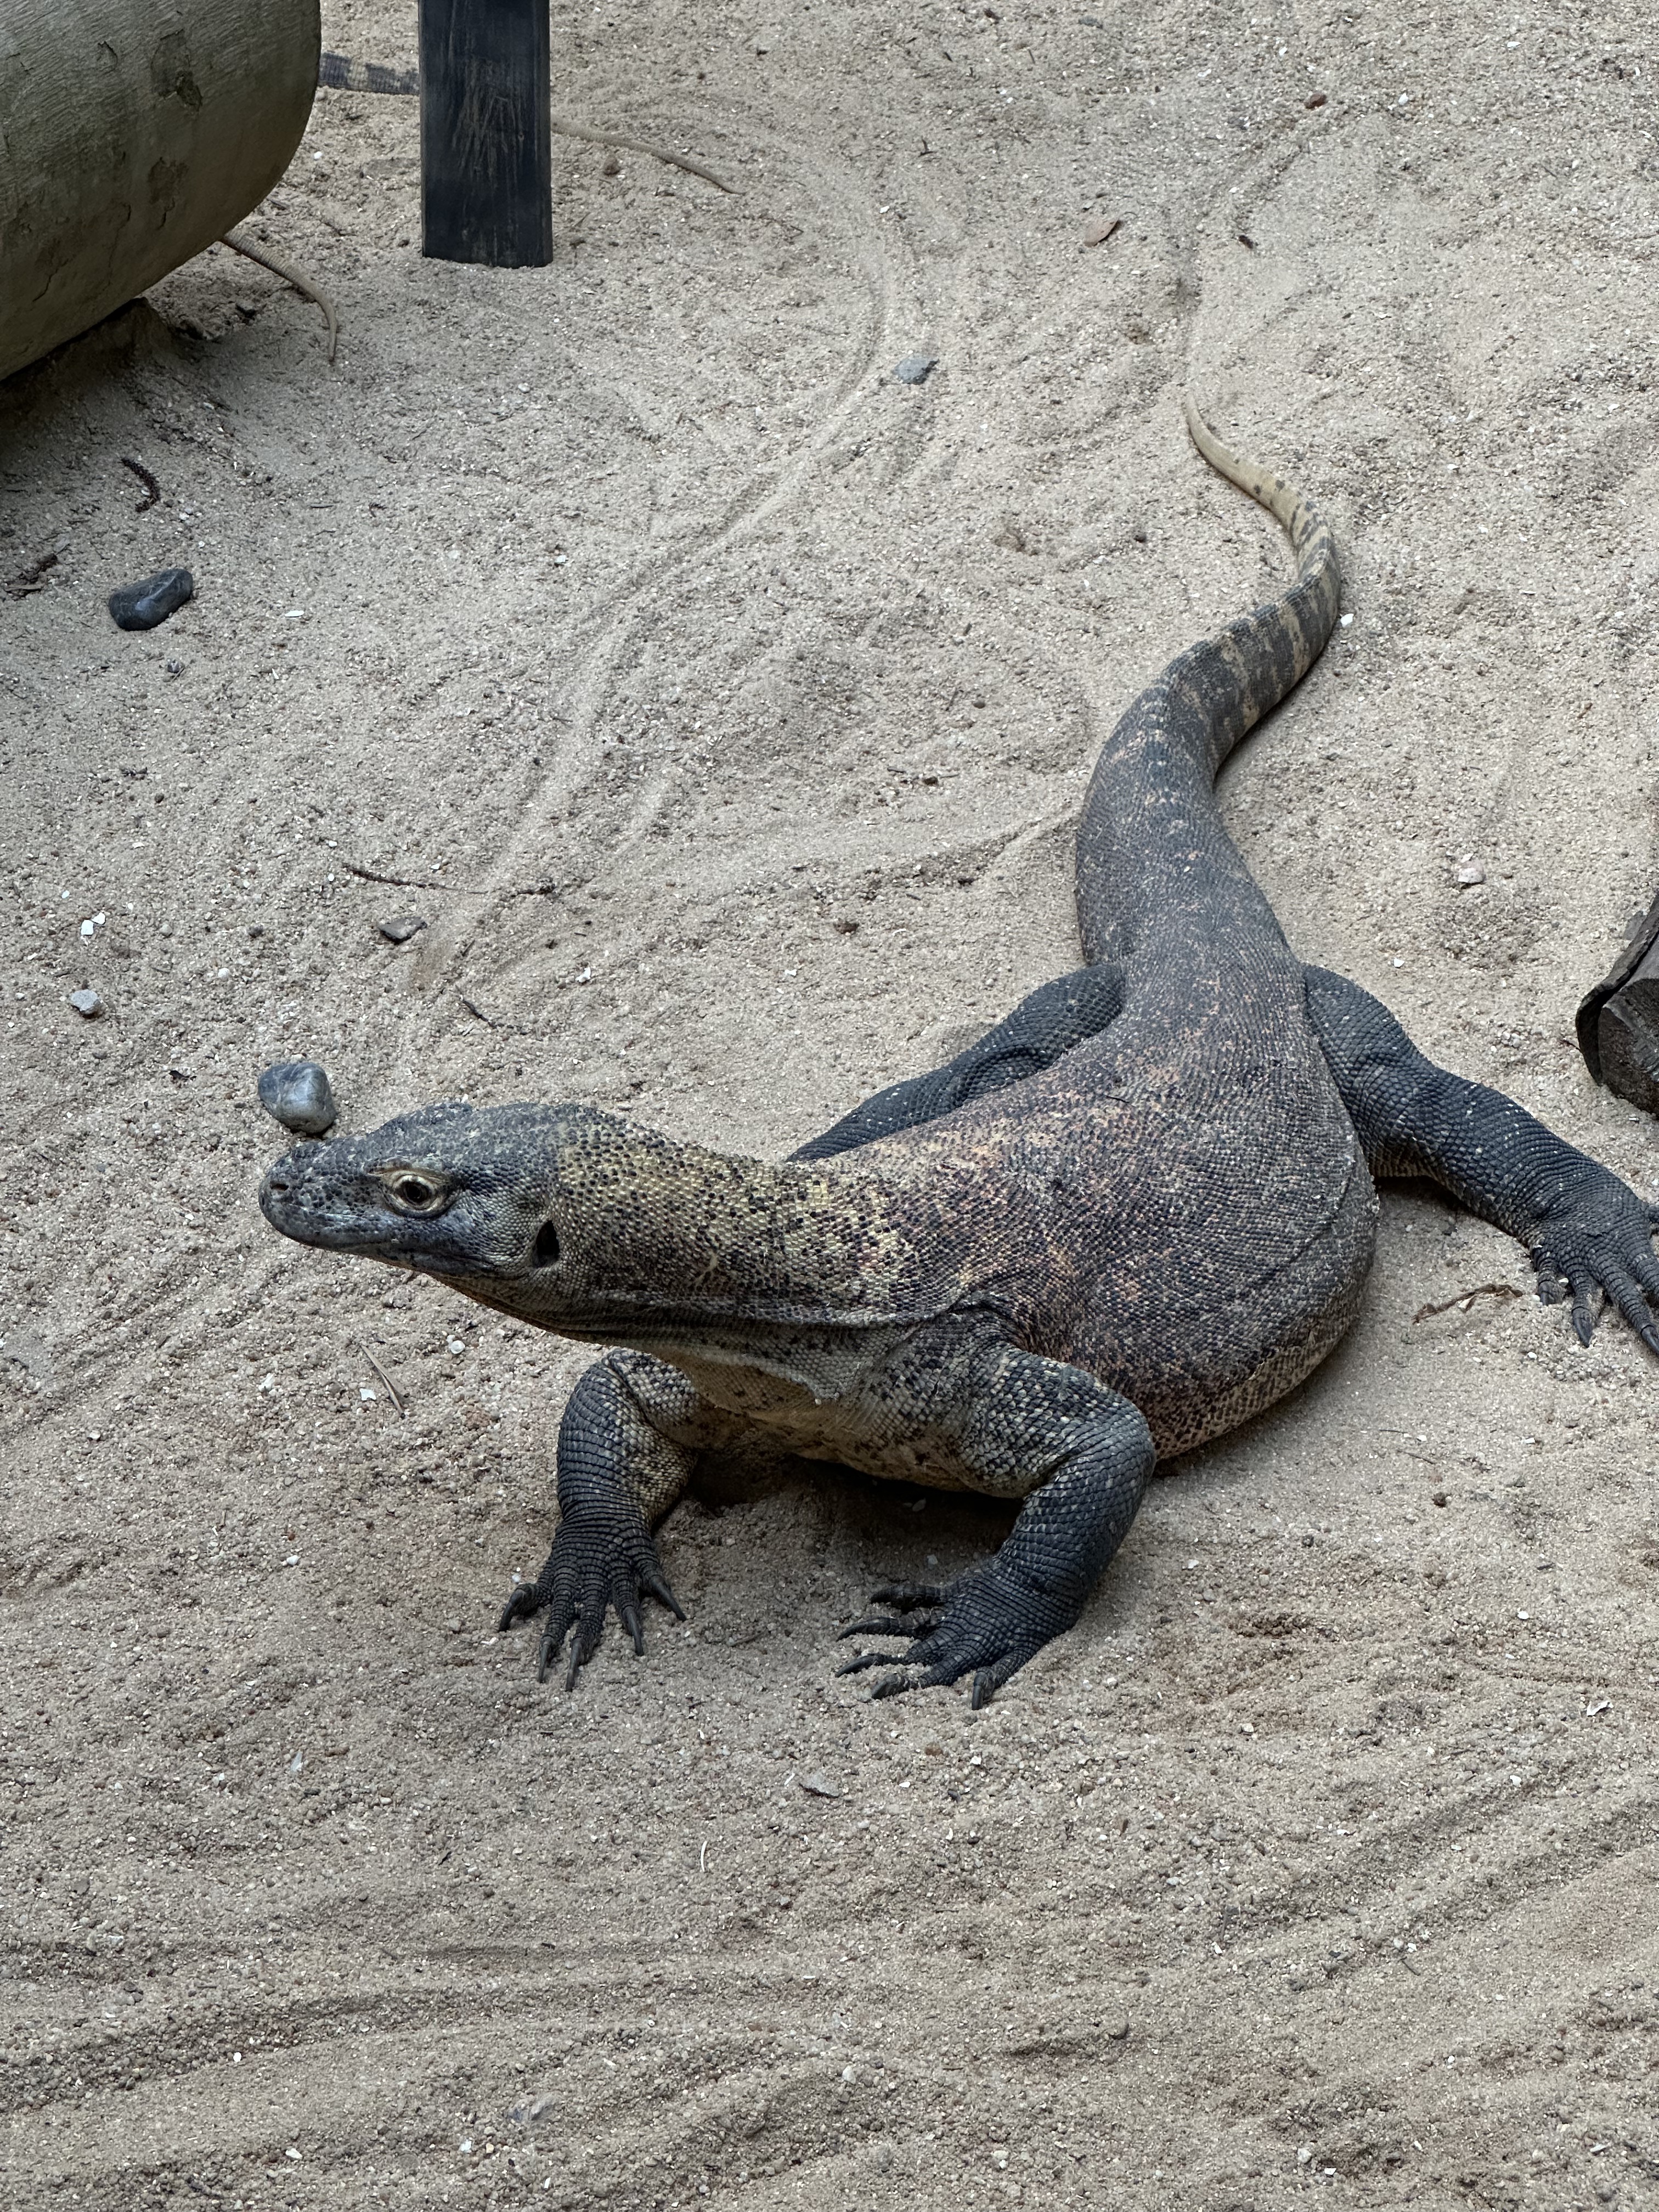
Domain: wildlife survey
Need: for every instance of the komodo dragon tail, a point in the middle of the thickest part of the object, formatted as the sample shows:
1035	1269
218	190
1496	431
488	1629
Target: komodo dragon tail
1157	769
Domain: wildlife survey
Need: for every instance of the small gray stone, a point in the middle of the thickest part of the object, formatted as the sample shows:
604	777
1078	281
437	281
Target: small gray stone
87	1004
148	603
916	368
401	927
1470	874
296	1093
818	1785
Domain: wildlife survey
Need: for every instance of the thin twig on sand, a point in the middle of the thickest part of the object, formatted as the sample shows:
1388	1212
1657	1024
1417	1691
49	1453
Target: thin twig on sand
392	1388
399	882
642	146
290	274
152	490
1466	1299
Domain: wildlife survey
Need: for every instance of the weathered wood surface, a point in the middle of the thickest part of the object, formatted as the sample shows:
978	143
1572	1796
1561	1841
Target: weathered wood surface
132	134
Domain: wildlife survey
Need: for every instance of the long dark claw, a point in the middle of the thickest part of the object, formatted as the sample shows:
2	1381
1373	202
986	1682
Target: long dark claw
654	1586
561	1611
989	1679
1584	1317
865	1660
628	1614
894	1687
891	1623
1625	1291
937	1677
525	1600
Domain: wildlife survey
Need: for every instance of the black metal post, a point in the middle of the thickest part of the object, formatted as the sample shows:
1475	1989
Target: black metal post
486	137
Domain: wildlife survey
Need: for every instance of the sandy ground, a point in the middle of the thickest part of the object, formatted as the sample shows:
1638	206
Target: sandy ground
727	705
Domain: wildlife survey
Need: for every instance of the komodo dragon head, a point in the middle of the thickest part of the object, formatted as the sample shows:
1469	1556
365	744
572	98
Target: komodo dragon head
577	1221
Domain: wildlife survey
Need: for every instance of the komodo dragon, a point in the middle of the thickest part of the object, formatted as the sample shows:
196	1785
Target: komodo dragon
1137	1214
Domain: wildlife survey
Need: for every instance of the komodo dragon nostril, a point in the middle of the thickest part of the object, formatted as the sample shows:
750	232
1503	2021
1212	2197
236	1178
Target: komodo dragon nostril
545	1250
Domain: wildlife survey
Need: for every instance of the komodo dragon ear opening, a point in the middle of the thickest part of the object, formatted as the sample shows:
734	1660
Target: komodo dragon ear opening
545	1252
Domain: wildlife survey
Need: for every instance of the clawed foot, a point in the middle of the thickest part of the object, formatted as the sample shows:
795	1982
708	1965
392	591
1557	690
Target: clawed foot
1599	1236
598	1559
988	1623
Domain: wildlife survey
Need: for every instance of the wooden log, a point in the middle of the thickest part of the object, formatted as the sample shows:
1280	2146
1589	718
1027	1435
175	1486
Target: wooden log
486	133
131	136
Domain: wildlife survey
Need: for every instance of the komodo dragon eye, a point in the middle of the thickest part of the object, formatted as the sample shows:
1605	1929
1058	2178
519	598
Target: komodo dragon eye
417	1194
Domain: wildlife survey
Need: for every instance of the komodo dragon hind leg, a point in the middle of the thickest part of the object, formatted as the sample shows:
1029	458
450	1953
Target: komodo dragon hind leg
1581	1224
1039	1031
630	1432
1026	1414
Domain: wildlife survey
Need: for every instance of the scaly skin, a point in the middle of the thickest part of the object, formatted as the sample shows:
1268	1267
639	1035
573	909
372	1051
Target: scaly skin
1138	1212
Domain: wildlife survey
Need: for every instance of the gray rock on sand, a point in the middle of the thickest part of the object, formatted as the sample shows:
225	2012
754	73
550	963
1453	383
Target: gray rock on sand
296	1093
149	601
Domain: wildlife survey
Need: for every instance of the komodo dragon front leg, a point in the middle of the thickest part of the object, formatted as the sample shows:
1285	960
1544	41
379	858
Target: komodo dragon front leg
1026	1421
630	1435
634	1426
1582	1224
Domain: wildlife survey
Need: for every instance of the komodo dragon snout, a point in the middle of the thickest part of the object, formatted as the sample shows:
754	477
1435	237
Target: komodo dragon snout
465	1193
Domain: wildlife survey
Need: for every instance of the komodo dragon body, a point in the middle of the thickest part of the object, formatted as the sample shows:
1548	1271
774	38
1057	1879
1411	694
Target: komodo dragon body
1137	1212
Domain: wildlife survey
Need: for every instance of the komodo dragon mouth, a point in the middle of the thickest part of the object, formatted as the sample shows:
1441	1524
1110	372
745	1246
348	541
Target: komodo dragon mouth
1129	1219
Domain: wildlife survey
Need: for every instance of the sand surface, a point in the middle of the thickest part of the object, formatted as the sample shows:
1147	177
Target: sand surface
726	704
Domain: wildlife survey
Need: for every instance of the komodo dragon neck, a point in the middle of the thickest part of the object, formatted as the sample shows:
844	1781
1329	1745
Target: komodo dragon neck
576	1221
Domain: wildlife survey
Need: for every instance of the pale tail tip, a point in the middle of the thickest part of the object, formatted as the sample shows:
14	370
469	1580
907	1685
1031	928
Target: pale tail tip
1203	436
